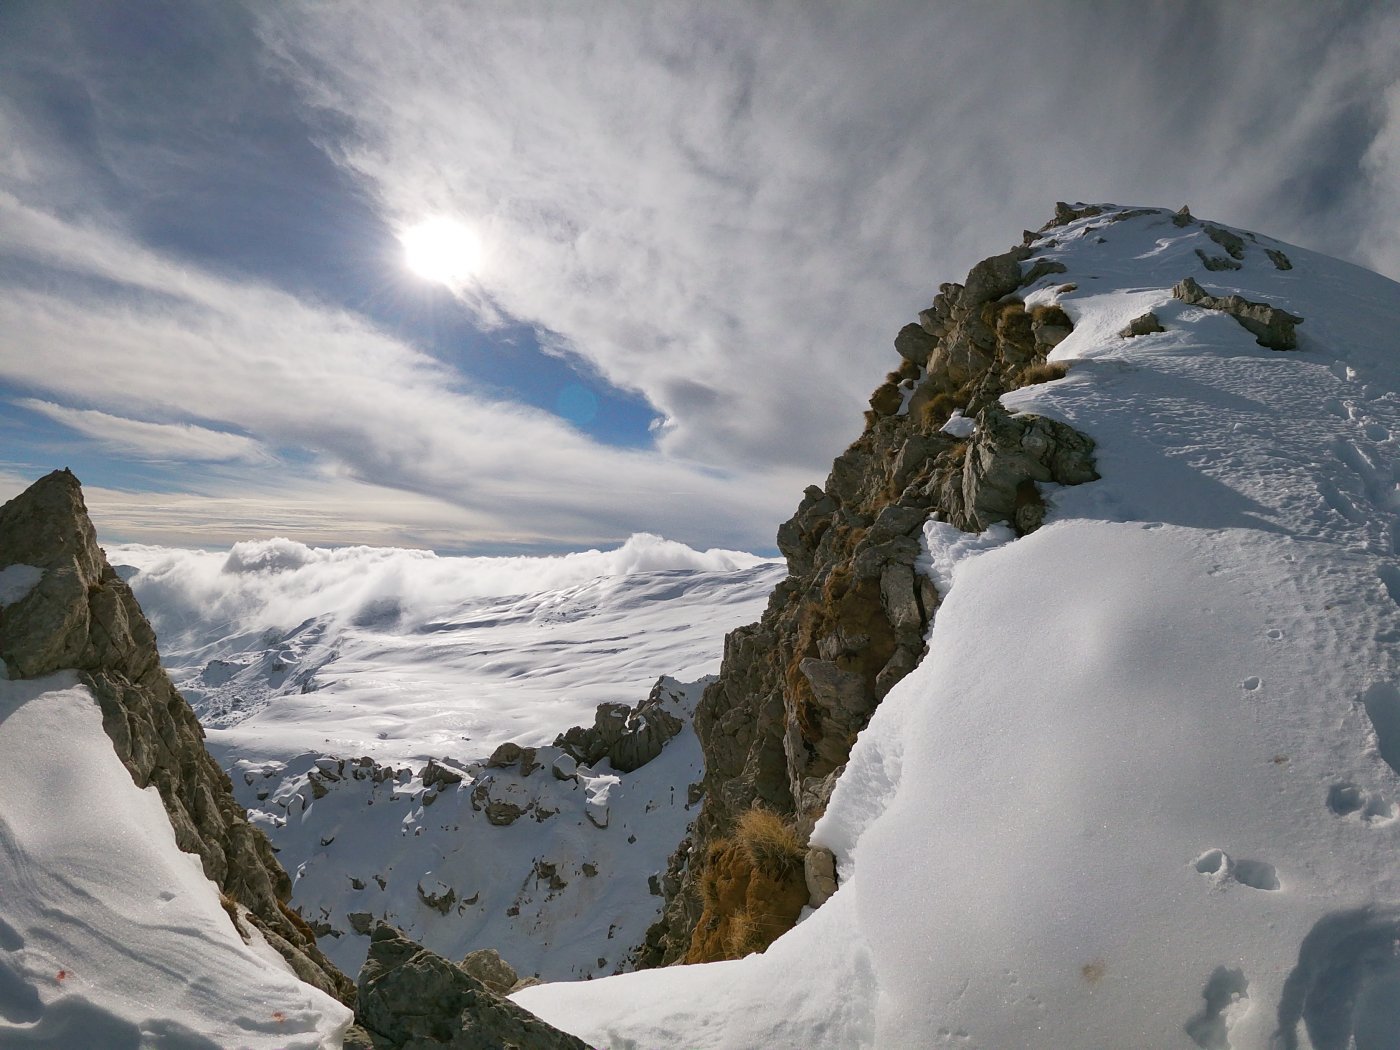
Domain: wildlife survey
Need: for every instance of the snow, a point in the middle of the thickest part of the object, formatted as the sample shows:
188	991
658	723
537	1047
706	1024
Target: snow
564	892
302	662
109	934
1142	791
403	655
959	425
16	581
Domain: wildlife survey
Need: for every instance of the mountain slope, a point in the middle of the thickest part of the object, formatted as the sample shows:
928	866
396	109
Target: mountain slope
1142	789
357	696
128	916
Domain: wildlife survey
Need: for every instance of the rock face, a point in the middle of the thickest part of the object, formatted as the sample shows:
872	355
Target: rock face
627	737
1269	325
850	620
412	999
81	615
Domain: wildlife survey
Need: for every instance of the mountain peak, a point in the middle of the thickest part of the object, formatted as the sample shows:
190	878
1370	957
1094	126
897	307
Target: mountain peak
77	613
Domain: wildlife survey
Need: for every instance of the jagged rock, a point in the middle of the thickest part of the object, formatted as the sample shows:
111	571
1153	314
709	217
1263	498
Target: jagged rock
914	344
992	278
82	615
528	762
487	966
412	999
565	767
1217	262
1010	453
1066	214
1280	261
508	754
440	896
1270	326
360	921
1183	217
1144	325
434	774
819	869
1042	268
502	813
628	737
1231	242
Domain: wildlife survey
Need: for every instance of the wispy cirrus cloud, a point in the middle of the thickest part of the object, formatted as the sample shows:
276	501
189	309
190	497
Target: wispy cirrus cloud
732	208
130	331
154	441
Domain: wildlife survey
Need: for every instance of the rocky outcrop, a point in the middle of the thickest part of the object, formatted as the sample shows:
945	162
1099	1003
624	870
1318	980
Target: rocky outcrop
81	615
627	737
1269	325
412	999
850	620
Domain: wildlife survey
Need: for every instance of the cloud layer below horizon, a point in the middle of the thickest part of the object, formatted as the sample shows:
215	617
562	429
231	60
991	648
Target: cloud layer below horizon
726	211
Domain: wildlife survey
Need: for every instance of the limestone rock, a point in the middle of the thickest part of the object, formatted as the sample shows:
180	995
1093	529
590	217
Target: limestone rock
502	813
1217	262
506	755
434	774
1270	326
819	869
628	737
487	966
1010	453
992	278
1143	325
1233	243
82	615
412	999
914	344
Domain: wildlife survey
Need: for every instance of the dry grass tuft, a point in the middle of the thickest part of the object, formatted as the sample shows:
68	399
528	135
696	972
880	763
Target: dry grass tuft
1050	313
1042	372
771	845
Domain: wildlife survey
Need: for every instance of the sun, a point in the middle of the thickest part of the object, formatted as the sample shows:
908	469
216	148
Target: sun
442	250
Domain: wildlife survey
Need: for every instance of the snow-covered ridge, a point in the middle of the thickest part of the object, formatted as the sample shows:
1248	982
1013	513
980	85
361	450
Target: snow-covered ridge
1143	788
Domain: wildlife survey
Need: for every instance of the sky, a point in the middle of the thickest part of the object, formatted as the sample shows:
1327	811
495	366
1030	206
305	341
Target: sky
686	236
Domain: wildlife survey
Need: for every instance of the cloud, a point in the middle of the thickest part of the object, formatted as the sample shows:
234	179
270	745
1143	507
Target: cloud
732	208
134	330
155	441
278	583
728	209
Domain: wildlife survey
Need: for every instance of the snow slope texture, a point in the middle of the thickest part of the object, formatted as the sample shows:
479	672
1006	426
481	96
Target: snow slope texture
110	936
1142	791
404	655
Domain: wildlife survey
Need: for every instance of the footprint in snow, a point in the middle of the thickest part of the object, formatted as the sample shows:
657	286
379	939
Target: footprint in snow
1252	683
1348	800
1222	869
1227	1000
